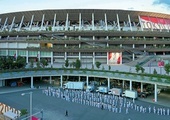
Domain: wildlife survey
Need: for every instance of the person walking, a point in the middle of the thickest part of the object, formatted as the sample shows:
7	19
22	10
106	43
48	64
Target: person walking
66	113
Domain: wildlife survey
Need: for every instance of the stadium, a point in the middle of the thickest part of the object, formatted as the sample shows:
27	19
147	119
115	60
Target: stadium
111	37
90	35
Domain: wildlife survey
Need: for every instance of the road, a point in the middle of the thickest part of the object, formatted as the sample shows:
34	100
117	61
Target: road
54	108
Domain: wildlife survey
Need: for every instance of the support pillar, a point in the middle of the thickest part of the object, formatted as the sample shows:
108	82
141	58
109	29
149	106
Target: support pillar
30	27
22	19
107	58
118	24
61	81
54	22
52	58
79	21
123	84
108	81
87	80
5	24
155	96
141	87
130	85
66	25
27	56
105	16
93	58
80	56
42	22
92	21
50	79
130	22
32	84
12	24
79	78
140	23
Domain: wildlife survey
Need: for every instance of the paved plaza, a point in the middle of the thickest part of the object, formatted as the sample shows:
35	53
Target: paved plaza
54	108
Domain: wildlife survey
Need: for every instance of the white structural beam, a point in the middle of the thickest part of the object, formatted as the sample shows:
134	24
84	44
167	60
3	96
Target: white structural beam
32	19
155	96
105	17
130	22
108	83
50	79
118	24
66	25
54	22
5	24
130	85
12	24
140	23
92	21
52	58
42	21
32	84
20	25
80	21
93	58
61	81
123	84
87	80
141	87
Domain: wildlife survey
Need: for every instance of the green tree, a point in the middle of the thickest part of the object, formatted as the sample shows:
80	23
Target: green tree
154	71
38	64
78	64
50	28
109	67
44	63
142	69
137	68
20	62
74	64
98	64
167	68
31	63
66	63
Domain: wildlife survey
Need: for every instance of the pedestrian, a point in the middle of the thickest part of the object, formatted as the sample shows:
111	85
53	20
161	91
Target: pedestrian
66	113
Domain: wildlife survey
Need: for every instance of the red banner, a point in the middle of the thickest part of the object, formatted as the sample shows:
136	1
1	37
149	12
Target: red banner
115	58
154	22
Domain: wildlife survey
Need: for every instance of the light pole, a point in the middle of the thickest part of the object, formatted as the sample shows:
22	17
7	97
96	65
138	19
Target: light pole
30	93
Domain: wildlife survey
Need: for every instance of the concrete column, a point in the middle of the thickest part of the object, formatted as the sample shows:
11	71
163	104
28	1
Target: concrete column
61	81
107	58
12	24
105	17
123	84
66	25
92	21
118	24
54	22
93	58
32	19
133	56
141	87
52	58
108	81
5	24
22	19
39	55
27	56
79	78
79	21
32	84
87	80
130	22
79	55
140	23
130	85
42	22
155	96
50	79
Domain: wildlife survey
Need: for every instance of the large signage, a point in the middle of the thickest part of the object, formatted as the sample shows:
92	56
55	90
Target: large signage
154	23
115	58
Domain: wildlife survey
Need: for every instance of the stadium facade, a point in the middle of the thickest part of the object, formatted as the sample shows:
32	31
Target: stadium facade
90	35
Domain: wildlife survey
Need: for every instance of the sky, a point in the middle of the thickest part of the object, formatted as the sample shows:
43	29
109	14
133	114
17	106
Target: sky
161	6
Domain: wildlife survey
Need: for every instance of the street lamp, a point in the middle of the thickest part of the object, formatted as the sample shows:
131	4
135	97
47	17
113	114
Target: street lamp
30	93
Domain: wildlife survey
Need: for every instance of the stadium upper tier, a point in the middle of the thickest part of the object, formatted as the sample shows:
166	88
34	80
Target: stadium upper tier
90	35
84	19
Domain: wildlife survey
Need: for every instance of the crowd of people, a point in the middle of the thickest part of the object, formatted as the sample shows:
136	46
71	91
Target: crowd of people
113	103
